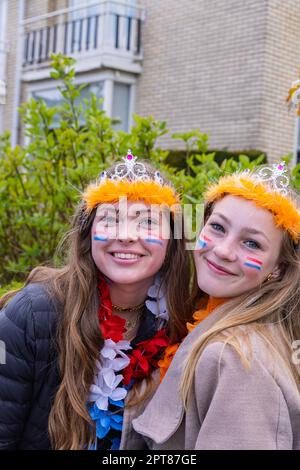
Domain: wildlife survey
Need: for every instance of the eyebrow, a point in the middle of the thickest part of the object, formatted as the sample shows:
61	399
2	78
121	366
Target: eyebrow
139	212
251	230
103	210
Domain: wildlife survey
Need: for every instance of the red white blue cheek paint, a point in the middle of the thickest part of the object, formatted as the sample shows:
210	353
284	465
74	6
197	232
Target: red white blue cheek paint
253	263
203	241
99	237
154	240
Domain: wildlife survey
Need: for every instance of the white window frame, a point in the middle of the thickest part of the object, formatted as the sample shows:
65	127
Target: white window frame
107	77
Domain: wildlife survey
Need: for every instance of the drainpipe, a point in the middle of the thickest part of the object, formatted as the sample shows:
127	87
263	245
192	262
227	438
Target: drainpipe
296	141
19	60
3	60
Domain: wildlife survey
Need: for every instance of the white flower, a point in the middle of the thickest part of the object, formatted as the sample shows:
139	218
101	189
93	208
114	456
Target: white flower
106	386
113	355
158	306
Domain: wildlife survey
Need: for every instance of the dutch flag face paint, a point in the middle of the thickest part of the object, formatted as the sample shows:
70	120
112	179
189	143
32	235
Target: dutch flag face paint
154	240
100	238
203	241
253	263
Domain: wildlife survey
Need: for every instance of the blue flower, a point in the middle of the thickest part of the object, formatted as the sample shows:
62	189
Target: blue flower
105	421
119	403
115	443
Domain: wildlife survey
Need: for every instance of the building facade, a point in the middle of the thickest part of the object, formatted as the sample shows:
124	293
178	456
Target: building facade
222	66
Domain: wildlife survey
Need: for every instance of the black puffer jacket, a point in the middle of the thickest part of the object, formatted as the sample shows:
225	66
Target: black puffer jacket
29	380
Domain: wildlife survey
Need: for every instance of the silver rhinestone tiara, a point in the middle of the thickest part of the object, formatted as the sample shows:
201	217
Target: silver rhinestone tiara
131	170
275	176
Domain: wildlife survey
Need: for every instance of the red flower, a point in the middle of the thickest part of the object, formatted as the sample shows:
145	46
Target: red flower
152	347
138	368
144	358
105	308
113	328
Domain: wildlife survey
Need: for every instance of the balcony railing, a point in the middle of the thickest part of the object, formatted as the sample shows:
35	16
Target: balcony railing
106	26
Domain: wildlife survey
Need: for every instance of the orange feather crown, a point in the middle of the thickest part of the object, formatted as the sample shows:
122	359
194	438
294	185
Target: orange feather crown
267	189
133	180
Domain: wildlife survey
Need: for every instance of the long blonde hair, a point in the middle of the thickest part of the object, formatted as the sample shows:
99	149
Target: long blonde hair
275	303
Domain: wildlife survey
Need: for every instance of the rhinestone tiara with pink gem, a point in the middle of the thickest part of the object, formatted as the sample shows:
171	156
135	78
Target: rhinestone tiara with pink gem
276	176
131	170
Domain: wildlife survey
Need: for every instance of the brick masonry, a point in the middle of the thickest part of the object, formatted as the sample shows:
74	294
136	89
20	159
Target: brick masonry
224	67
281	65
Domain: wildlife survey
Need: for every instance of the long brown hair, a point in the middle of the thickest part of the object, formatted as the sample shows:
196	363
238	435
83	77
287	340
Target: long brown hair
274	307
79	340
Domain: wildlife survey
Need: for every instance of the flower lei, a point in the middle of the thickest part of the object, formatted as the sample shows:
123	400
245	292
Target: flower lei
121	364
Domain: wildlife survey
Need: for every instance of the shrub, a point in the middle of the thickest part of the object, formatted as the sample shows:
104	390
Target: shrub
177	158
9	287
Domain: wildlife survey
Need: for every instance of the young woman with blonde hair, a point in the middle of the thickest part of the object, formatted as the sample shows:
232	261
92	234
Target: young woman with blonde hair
234	381
83	341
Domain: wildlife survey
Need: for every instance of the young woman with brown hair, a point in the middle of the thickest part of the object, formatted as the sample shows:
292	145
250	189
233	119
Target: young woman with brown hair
83	341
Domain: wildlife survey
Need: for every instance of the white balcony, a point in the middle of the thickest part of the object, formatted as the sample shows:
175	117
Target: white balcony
103	34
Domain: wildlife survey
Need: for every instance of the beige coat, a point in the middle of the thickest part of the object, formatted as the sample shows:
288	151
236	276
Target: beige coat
231	407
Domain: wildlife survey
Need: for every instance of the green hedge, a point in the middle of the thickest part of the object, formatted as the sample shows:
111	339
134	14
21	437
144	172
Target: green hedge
8	287
177	158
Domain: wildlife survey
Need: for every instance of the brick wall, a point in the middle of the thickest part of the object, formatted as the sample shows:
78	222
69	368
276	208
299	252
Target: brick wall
223	67
281	65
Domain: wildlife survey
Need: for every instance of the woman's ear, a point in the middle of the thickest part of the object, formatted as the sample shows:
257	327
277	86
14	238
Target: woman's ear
273	274
276	272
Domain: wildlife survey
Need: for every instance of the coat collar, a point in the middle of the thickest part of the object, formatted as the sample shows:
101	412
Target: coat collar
164	413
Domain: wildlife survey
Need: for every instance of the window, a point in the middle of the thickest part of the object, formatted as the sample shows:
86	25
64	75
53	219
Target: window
52	96
121	104
116	98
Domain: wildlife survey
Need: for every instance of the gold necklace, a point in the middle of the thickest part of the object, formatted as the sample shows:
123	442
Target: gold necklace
130	327
127	309
131	323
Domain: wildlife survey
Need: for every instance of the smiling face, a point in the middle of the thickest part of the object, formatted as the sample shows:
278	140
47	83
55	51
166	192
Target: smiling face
237	249
129	244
